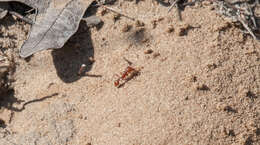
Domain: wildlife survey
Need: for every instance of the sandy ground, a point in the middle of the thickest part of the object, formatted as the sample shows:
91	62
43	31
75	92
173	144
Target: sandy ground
200	85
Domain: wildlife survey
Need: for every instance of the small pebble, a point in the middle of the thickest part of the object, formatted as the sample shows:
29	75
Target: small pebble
92	21
170	29
126	28
154	24
148	51
103	12
91	59
83	66
156	54
139	23
116	17
202	87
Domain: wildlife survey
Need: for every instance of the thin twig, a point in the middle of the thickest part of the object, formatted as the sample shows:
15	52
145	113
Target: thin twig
3	13
173	4
247	28
36	13
27	20
189	3
29	11
115	11
240	15
252	16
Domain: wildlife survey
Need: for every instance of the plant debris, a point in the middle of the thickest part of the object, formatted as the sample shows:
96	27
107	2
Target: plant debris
237	11
56	22
241	12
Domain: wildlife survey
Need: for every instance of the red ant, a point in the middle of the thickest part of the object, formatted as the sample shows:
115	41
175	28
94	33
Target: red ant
128	74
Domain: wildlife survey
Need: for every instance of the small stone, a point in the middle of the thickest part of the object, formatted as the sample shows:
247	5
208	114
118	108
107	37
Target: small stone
211	8
183	30
186	98
250	95
229	109
116	17
170	29
193	79
231	133
91	59
147	57
202	87
139	23
103	12
154	24
126	28
80	116
212	66
156	54
163	59
92	21
148	51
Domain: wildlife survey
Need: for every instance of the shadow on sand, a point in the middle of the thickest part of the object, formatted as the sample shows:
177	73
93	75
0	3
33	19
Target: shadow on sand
77	51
